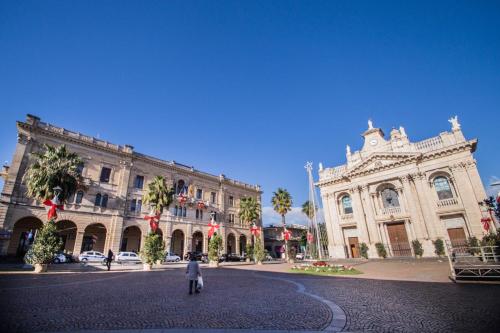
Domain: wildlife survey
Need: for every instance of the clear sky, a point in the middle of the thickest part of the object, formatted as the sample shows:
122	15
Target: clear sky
252	89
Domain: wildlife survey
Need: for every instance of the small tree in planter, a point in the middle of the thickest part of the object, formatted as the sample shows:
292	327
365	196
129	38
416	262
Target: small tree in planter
417	248
214	246
439	247
158	195
473	245
259	253
381	251
364	250
153	250
46	244
249	251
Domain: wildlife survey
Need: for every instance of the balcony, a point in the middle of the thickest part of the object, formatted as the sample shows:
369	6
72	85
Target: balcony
347	218
388	211
445	203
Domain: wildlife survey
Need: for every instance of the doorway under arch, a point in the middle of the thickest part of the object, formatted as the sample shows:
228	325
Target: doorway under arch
67	231
131	240
243	244
231	244
94	238
197	245
23	235
177	243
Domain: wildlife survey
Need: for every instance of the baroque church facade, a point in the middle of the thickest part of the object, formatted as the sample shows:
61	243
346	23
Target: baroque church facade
108	213
394	191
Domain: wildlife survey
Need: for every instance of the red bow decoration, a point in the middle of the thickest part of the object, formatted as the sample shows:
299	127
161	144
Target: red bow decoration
201	205
310	237
213	228
182	199
53	208
254	230
153	221
486	223
287	234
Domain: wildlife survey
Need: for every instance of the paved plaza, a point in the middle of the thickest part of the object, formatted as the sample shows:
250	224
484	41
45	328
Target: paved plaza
243	297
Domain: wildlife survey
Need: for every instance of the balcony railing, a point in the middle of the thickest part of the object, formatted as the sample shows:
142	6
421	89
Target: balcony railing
447	202
346	217
391	211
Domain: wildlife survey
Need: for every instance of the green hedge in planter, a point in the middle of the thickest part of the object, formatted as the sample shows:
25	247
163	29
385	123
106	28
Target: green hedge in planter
154	249
364	250
381	251
439	247
214	246
417	248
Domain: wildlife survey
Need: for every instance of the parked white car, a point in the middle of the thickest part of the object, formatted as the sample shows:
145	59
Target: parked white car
127	257
91	256
172	257
59	258
299	256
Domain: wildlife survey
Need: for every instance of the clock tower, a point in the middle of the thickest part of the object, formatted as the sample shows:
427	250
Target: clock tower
374	138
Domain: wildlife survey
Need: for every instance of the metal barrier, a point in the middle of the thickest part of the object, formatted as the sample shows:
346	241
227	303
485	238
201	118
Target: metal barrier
474	263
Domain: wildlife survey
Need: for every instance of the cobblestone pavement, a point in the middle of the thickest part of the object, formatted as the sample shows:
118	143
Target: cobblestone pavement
239	299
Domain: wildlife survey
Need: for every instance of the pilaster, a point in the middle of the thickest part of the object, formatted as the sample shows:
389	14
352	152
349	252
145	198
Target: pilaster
336	247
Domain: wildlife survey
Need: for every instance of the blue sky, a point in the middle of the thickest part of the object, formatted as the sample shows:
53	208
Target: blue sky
252	89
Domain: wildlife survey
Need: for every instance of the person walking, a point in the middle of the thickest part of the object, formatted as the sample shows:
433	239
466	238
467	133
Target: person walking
109	259
192	272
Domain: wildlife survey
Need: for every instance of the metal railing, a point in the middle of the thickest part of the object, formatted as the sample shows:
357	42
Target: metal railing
447	202
474	262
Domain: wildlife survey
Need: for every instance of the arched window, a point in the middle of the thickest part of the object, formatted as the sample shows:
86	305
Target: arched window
79	168
97	201
346	204
79	197
390	198
175	211
443	188
180	186
104	201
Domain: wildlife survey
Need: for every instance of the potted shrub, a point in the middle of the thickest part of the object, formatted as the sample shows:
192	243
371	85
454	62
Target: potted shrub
153	250
439	247
214	246
381	251
249	252
47	243
417	248
473	245
364	250
259	253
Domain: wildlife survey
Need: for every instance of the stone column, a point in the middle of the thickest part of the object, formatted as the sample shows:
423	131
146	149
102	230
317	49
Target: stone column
114	234
237	240
359	214
78	242
426	204
336	242
205	244
468	198
370	221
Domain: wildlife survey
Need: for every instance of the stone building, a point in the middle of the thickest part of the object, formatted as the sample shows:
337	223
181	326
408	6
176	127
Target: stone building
274	241
394	191
109	212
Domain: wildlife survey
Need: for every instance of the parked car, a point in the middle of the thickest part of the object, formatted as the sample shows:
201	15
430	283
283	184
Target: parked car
127	257
197	255
234	257
172	257
91	256
204	258
60	258
299	256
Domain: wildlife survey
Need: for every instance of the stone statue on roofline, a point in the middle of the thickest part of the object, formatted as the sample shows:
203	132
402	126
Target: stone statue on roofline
455	125
370	124
402	131
348	150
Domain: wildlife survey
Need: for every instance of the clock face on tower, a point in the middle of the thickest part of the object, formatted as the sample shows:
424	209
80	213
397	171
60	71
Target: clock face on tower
373	142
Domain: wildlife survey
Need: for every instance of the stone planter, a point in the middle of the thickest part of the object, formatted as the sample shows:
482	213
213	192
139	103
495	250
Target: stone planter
213	263
291	261
418	256
147	267
41	268
247	260
259	262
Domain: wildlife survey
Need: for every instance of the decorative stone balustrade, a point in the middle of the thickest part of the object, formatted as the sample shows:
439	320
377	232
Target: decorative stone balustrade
346	217
447	202
391	211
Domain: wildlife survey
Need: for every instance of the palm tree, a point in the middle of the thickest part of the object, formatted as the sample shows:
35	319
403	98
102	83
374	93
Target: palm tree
54	166
282	204
158	195
307	209
249	209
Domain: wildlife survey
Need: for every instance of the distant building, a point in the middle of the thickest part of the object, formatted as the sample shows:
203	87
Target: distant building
395	191
109	213
274	242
